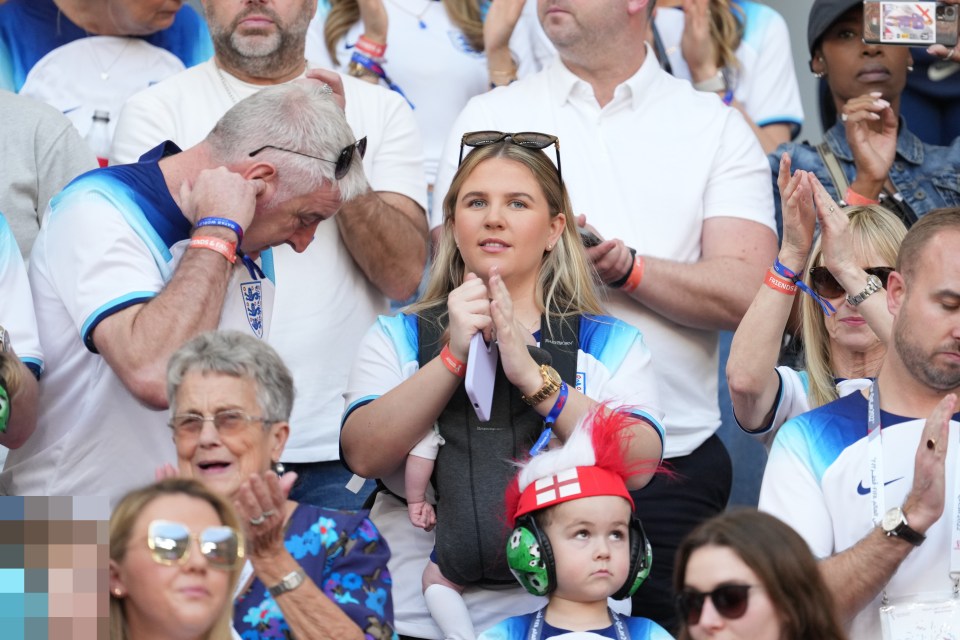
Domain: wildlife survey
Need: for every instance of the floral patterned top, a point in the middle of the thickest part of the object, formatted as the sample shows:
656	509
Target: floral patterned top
343	553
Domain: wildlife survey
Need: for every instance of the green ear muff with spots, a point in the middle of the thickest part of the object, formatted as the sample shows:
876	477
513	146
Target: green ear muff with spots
530	558
4	406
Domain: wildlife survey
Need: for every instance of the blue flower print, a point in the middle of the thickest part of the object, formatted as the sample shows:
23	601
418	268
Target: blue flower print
368	532
262	614
352	581
376	599
306	544
327	529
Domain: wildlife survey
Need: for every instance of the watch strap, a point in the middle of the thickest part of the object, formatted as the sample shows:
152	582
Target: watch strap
714	84
551	382
904	532
873	285
289	582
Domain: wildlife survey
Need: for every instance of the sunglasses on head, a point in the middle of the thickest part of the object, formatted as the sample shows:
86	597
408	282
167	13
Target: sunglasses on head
169	544
823	282
341	164
730	601
529	139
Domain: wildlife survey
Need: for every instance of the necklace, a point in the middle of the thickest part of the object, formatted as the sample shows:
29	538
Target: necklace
105	73
223	80
418	16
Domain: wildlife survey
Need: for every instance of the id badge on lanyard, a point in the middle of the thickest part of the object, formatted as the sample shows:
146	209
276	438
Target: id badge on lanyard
909	618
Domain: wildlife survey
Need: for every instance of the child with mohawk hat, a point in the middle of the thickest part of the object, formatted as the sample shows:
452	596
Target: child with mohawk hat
576	538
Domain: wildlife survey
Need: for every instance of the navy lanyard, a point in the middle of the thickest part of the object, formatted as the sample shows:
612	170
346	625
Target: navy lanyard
536	628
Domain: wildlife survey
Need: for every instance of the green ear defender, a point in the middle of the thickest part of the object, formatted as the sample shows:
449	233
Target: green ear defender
530	558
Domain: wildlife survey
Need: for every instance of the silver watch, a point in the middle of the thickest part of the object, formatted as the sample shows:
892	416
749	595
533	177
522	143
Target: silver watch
873	285
716	83
290	582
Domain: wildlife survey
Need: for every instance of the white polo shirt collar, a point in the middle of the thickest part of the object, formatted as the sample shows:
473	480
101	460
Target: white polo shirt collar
565	86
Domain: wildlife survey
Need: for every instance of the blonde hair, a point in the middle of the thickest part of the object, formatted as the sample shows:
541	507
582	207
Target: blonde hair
464	14
873	228
727	24
124	519
566	283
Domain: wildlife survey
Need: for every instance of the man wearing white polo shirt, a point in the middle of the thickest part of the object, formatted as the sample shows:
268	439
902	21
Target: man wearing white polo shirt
134	260
678	185
328	296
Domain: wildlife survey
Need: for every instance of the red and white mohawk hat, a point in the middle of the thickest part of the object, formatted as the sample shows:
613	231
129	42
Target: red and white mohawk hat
590	463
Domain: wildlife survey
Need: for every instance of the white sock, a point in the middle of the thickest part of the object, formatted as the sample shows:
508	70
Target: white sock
450	612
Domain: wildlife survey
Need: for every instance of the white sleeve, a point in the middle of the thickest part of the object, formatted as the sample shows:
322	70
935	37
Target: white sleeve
77	238
791	491
630	380
394	147
17	315
792	400
144	123
774	95
386	357
739	184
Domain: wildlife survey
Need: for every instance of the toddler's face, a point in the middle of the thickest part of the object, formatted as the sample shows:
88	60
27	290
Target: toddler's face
591	547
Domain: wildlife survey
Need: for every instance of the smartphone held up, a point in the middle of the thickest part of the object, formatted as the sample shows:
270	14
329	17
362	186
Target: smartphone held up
910	23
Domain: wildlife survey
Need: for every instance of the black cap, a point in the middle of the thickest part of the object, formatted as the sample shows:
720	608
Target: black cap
824	13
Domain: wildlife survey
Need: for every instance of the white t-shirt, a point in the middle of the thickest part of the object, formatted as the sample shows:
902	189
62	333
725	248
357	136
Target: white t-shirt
16	312
433	64
112	239
794	399
324	301
97	73
613	366
817	480
648	168
767	80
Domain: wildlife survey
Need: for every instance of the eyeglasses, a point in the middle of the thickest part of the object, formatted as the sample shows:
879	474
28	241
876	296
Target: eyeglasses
823	282
730	601
169	544
227	422
342	163
529	139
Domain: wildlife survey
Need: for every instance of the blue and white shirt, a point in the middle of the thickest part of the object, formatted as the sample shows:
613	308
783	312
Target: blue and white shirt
817	481
30	29
111	239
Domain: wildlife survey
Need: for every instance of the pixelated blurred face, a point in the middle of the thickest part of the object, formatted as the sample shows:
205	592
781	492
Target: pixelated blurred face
591	547
179	601
142	17
258	29
710	567
224	458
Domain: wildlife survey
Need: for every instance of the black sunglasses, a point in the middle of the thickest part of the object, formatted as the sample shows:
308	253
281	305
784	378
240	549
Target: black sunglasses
823	282
529	139
730	601
342	163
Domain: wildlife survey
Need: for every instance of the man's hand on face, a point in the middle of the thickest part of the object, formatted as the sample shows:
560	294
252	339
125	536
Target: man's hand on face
221	193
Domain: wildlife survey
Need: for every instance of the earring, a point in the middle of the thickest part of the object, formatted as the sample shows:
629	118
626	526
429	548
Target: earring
909	68
549	247
818	75
278	468
117	592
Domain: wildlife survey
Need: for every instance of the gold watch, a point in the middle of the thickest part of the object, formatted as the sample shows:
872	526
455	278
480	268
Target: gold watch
551	382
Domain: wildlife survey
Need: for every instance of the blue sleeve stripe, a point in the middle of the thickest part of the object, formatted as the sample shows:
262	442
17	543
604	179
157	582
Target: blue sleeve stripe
643	415
266	265
356	404
607	339
402	331
776	408
35	365
107	310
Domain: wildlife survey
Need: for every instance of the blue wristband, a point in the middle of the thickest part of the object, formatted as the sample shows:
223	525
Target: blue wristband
781	270
551	419
728	97
222	222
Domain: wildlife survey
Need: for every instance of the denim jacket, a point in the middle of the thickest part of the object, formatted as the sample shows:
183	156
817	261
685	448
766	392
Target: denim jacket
927	176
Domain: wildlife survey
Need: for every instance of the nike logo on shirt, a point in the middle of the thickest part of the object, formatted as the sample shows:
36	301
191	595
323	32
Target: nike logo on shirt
865	491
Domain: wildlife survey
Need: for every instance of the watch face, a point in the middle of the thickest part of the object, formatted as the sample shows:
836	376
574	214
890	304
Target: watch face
892	519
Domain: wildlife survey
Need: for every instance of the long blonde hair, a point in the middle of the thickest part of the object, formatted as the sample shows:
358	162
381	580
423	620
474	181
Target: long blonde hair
727	24
566	282
874	228
124	519
464	14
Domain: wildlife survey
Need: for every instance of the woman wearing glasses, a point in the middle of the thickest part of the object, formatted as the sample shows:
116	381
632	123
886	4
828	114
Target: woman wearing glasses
509	266
309	568
746	575
844	319
175	558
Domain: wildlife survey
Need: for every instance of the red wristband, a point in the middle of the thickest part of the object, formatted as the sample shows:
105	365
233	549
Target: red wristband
635	276
777	283
855	199
456	367
227	249
370	47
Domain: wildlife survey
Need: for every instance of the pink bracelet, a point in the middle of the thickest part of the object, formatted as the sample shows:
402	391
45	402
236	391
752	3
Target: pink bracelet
854	198
371	48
